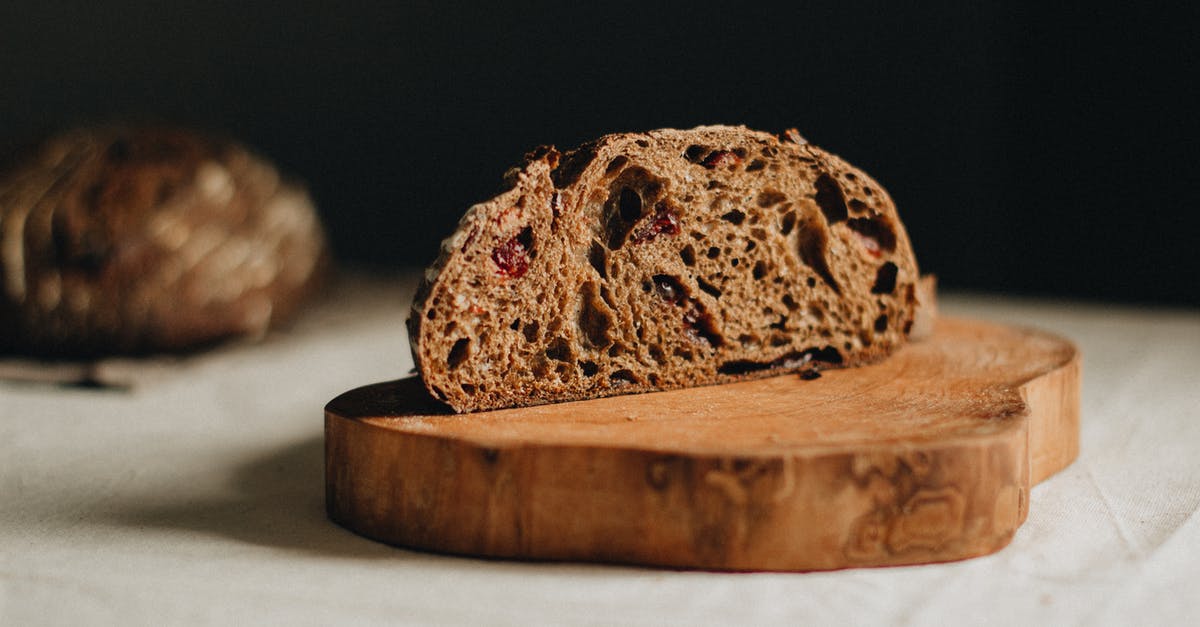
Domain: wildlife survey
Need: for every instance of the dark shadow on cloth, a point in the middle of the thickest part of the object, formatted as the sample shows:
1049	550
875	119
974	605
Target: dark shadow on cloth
277	501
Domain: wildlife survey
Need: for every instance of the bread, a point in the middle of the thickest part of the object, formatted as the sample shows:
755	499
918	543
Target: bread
124	240
661	260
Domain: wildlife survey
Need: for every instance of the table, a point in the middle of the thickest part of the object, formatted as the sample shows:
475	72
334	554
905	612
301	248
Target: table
195	496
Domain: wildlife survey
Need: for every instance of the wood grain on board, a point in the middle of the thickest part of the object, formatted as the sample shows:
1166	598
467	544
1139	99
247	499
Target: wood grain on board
927	456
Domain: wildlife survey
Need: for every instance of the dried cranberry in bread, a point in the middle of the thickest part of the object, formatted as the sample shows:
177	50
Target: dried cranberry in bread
661	260
130	240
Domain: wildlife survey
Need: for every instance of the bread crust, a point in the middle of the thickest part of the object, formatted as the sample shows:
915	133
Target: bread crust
130	240
660	260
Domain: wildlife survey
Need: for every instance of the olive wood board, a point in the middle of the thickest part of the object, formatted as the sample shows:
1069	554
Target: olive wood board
927	456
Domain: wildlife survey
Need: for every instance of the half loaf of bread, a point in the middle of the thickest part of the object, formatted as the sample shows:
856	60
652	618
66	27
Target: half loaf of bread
660	260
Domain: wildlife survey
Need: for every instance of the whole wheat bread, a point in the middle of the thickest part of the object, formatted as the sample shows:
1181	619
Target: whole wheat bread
662	260
132	240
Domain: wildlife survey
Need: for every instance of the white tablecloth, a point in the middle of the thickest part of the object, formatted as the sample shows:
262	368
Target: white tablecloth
196	497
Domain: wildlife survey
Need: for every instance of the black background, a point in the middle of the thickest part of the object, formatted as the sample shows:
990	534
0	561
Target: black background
1032	150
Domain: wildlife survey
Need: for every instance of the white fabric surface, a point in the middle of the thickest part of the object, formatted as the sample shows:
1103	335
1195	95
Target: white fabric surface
197	498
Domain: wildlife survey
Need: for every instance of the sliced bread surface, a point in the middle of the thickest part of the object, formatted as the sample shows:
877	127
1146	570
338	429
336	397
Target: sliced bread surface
662	260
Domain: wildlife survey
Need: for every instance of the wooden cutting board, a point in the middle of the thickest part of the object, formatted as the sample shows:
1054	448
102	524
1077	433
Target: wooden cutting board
926	457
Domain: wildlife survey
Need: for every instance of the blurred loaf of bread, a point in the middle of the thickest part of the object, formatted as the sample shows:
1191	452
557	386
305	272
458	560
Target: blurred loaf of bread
131	240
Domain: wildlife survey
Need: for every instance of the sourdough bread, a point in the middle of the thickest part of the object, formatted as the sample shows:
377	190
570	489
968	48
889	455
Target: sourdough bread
123	240
660	260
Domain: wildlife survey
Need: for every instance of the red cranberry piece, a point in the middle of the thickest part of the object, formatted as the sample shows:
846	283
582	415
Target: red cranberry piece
511	258
665	222
870	244
720	159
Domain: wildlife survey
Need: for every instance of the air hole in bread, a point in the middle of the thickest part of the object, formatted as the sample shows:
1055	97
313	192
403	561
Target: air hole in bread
598	257
595	322
787	223
629	205
516	324
734	217
830	199
708	288
459	352
624	209
791	359
713	252
875	234
885	279
756	165
760	270
669	289
468	388
589	368
812	245
696	153
559	349
881	323
571	165
616	164
623	377
828	354
530	331
688	255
